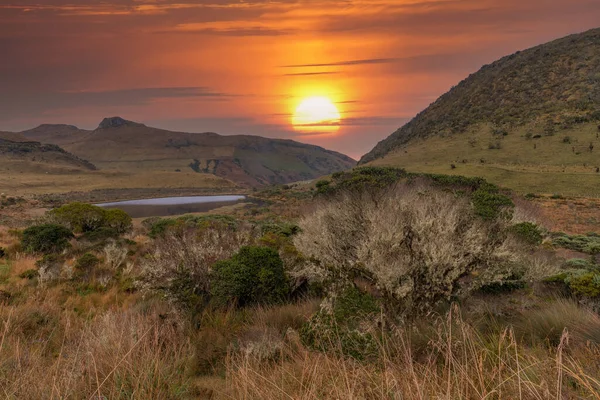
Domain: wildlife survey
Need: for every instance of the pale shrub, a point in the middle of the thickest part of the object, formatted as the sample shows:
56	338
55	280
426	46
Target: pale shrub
414	245
180	264
114	255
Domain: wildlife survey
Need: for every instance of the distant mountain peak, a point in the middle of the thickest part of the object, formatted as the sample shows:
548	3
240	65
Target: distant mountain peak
56	126
116	122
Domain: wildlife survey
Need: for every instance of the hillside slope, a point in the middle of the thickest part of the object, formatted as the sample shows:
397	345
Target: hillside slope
248	160
18	152
529	120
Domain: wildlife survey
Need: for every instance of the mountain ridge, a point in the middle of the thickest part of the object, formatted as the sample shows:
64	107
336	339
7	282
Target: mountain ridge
249	160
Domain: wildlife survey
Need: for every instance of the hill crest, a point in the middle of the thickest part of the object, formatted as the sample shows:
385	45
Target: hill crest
553	86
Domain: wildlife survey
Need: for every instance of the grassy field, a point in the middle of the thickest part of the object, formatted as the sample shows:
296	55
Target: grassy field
25	182
559	164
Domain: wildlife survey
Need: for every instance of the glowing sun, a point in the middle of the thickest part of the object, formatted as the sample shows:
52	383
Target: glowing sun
316	114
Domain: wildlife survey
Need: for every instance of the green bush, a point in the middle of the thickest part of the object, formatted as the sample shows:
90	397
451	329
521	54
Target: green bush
578	263
528	232
587	285
589	243
117	220
100	235
82	217
86	264
254	275
341	329
322	186
47	238
489	202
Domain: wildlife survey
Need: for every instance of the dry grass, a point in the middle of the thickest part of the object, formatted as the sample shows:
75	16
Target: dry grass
459	363
45	353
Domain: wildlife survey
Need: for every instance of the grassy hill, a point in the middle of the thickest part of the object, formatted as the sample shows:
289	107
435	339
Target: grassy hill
30	167
16	151
529	121
127	146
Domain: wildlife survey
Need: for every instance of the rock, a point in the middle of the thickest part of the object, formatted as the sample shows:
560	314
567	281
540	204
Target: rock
116	122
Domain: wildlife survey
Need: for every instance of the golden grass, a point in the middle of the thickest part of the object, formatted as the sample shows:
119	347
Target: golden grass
459	363
22	183
551	167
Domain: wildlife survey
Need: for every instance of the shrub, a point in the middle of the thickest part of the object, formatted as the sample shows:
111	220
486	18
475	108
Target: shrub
86	263
178	266
161	226
322	186
47	238
2	252
118	220
489	202
29	274
417	246
578	263
581	282
254	275
528	232
584	243
344	327
100	235
79	217
82	217
49	267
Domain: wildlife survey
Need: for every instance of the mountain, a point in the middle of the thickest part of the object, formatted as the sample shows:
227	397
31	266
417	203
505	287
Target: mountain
530	120
247	160
18	153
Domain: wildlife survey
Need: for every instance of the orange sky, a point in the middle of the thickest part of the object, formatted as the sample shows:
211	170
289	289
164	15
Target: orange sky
234	66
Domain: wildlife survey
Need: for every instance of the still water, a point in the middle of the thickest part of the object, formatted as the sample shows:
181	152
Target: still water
164	206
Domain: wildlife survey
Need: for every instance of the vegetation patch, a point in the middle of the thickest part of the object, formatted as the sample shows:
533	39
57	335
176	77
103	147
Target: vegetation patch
589	243
254	275
46	238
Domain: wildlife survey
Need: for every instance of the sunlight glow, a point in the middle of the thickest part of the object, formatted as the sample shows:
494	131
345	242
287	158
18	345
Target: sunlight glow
316	114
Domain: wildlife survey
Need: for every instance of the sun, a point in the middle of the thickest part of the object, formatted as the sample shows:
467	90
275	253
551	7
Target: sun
316	114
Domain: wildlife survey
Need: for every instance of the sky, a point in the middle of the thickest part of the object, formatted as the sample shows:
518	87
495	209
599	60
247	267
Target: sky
244	66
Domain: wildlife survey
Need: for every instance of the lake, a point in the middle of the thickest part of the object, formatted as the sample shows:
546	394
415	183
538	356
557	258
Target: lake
165	206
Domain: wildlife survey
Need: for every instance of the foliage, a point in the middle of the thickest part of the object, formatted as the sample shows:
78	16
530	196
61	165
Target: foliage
361	178
82	217
286	229
489	203
416	245
118	220
86	263
528	232
589	243
254	275
160	226
47	238
179	265
487	199
344	321
29	274
99	235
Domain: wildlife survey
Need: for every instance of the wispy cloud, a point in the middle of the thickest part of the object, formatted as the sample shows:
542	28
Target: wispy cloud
313	73
345	63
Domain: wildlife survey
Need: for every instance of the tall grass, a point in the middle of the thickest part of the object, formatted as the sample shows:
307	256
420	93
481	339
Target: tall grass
457	363
46	354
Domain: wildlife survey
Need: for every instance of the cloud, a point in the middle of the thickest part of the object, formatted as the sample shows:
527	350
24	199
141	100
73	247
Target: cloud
345	63
38	103
313	73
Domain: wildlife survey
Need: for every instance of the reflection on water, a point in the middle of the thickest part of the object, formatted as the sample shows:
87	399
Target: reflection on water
165	206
